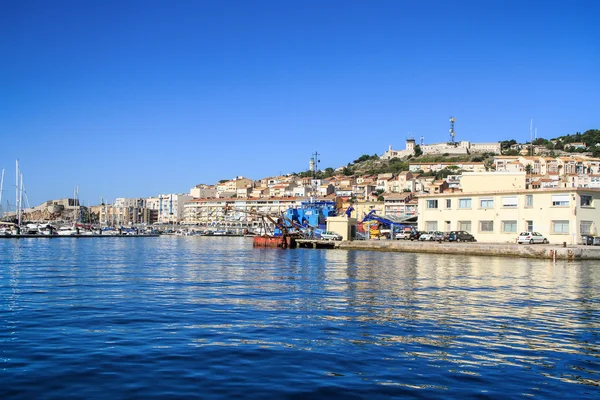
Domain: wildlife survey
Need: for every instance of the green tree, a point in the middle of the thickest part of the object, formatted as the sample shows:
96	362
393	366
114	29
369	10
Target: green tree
505	144
347	171
418	151
328	173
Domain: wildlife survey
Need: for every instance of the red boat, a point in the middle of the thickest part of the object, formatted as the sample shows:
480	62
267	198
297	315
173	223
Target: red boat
284	242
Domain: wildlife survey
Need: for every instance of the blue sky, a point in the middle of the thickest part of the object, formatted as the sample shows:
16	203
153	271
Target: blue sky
137	98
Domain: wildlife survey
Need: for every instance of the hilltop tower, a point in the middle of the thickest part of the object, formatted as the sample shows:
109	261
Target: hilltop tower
452	133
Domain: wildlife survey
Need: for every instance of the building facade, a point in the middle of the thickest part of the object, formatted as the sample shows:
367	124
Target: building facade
562	215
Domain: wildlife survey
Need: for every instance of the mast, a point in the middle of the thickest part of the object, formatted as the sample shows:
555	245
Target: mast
20	199
1	188
17	189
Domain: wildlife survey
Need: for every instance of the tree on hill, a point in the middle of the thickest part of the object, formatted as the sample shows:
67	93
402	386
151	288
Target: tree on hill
540	142
418	151
505	144
366	157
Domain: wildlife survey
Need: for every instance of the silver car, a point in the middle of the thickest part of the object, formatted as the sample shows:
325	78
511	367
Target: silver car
531	238
328	235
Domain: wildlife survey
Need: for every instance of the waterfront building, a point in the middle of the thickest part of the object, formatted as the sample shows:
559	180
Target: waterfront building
169	207
497	209
235	212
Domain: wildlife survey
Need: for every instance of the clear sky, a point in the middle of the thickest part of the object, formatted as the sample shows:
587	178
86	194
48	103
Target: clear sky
136	98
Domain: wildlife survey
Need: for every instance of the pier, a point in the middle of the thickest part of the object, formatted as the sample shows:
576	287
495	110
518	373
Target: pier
540	251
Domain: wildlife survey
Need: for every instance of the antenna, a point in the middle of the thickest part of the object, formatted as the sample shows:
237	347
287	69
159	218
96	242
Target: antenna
314	163
531	130
452	133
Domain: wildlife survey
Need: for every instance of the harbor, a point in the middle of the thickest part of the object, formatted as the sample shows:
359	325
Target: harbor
75	236
285	323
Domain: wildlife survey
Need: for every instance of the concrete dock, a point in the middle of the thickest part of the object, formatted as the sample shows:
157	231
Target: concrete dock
541	251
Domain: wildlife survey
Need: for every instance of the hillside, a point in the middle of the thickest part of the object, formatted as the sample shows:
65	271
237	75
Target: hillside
371	164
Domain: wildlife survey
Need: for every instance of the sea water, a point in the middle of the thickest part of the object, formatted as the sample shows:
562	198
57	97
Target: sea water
212	317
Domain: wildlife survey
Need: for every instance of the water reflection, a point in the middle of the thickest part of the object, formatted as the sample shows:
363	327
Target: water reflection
447	325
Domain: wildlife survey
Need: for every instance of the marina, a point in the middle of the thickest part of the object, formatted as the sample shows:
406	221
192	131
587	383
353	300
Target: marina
75	236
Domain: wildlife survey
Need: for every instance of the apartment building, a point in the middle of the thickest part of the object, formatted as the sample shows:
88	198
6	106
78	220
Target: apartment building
399	204
229	211
169	207
499	214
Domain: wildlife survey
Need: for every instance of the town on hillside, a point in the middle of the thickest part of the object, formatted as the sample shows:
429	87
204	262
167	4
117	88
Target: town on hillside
495	190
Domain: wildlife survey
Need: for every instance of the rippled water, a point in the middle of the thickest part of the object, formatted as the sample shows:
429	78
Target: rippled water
180	317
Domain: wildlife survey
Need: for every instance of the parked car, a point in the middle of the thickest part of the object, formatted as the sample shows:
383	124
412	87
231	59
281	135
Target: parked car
531	238
402	235
415	235
328	235
460	236
432	235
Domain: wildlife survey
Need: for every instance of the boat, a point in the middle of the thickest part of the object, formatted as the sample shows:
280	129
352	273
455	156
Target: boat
67	231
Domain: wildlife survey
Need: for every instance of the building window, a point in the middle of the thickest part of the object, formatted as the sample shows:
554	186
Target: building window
431	225
432	204
560	200
486	226
529	226
529	200
585	227
486	203
560	226
586	201
509	201
464	203
448	203
464	226
509	226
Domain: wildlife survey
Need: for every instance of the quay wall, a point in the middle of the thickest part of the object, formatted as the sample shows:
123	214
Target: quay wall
539	251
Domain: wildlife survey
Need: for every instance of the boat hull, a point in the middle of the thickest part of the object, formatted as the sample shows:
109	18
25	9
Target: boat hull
283	242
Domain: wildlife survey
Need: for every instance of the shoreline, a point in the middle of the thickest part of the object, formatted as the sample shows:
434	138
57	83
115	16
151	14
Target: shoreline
539	251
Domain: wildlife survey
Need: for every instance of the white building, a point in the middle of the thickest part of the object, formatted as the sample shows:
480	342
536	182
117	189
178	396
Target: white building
169	206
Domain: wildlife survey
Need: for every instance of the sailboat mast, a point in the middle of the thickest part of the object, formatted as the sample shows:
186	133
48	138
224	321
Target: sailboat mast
1	189
17	189
20	198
